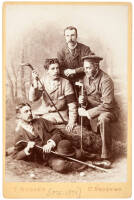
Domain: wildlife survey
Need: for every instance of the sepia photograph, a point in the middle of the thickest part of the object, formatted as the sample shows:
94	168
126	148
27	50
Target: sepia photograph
67	98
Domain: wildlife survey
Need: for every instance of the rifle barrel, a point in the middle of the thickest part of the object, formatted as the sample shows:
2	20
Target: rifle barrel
70	158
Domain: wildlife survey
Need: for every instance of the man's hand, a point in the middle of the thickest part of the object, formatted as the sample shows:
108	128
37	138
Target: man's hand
69	72
81	99
69	126
35	78
35	74
48	147
30	145
83	113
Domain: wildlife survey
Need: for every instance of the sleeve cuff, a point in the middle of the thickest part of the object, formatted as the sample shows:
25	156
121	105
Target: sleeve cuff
26	152
74	71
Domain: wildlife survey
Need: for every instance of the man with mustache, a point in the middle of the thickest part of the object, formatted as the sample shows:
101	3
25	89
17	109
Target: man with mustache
99	101
60	91
70	55
32	133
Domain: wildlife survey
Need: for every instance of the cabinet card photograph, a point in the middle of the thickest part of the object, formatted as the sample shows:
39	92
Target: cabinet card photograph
67	99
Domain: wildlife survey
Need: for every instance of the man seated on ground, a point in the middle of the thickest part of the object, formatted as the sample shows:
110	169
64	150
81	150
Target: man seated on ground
31	132
60	92
99	101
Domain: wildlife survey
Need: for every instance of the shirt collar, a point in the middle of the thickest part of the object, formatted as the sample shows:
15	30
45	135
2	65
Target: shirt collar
72	48
25	125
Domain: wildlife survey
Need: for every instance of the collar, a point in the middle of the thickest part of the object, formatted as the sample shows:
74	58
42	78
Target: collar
72	48
67	50
25	125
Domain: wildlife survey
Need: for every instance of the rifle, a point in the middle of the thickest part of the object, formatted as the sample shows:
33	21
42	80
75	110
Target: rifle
65	157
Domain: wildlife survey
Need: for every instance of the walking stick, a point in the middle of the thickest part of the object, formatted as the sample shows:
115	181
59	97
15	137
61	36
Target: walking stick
68	158
31	67
81	118
81	122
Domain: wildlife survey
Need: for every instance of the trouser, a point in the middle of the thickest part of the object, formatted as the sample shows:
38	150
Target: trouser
59	165
63	166
104	122
56	163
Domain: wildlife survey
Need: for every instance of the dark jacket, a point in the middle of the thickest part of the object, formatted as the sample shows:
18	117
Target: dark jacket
43	131
69	61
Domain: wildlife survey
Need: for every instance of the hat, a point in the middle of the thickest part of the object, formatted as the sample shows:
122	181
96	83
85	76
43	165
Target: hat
65	147
92	58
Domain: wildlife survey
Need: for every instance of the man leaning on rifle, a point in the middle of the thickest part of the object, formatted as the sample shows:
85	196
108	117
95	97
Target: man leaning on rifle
99	101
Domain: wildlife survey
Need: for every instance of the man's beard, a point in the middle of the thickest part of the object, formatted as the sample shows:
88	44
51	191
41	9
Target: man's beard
71	43
55	76
90	74
93	74
30	118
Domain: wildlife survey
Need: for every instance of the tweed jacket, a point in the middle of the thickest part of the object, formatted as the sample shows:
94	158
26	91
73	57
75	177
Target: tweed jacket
61	93
99	93
43	131
73	61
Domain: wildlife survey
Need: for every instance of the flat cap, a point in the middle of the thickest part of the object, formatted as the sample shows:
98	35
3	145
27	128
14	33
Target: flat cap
92	58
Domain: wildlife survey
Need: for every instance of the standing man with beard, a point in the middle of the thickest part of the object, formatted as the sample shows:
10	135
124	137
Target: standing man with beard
70	55
99	101
61	93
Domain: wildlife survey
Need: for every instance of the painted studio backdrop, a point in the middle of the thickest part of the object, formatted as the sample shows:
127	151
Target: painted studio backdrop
36	32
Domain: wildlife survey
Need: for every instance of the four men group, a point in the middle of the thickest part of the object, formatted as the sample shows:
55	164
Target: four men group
75	63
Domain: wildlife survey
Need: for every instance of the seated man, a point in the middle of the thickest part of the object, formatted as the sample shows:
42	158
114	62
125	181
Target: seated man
32	133
60	92
99	101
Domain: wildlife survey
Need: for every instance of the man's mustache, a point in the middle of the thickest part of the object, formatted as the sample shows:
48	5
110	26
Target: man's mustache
70	41
30	117
57	74
91	73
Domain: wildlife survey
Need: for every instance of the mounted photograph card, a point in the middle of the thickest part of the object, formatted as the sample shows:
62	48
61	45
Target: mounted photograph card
67	72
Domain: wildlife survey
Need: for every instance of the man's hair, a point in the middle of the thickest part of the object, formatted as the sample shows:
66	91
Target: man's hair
50	61
21	105
71	28
95	64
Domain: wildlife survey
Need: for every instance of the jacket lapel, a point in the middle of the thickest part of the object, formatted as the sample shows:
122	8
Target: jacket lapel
76	52
90	88
39	129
